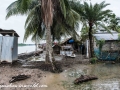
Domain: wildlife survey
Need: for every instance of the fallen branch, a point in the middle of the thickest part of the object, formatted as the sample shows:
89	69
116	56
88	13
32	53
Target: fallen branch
19	78
84	78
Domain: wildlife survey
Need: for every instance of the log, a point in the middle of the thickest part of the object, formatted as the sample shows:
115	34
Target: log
28	55
84	78
19	78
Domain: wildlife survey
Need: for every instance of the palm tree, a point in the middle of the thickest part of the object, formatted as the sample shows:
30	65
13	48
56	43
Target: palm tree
41	16
92	14
59	28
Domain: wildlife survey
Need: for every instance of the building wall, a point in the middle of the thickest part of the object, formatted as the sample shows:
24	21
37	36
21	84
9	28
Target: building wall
111	45
8	49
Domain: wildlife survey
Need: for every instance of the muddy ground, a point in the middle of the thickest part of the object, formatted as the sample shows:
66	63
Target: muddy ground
43	79
38	71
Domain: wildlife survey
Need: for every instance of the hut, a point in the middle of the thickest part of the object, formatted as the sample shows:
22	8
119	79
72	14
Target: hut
111	47
69	47
56	49
70	42
8	45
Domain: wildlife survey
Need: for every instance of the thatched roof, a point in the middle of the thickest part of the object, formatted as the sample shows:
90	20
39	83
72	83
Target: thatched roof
8	32
63	42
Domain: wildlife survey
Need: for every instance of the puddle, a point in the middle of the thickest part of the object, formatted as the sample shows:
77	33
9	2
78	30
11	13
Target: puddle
108	78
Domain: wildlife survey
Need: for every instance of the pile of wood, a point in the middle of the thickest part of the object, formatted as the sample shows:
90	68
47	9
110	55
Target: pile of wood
84	78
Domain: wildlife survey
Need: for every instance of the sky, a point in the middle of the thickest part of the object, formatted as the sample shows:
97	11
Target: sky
17	22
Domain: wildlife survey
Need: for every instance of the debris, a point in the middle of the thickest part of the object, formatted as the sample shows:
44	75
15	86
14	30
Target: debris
30	54
84	78
19	78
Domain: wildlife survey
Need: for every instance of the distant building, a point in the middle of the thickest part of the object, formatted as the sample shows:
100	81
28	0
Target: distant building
111	40
111	47
71	42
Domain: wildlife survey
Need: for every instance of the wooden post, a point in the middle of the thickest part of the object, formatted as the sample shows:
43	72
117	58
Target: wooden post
87	52
12	34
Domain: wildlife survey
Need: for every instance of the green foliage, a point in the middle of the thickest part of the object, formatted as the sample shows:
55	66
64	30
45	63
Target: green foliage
114	23
65	20
93	60
100	43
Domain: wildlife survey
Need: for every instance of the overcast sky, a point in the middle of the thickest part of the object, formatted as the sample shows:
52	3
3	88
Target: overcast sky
17	22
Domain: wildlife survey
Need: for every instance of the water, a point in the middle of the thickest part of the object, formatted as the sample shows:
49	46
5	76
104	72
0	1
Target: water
25	49
108	78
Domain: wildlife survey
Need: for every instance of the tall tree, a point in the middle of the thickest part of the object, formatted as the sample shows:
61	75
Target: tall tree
92	14
42	19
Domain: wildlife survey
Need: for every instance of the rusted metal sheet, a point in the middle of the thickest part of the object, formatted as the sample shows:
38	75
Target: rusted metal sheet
7	49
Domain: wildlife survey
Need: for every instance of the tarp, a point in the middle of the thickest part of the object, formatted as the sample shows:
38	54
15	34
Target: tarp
107	56
71	41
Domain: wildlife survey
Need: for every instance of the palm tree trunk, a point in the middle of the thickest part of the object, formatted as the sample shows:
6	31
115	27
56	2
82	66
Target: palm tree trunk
48	44
49	49
90	39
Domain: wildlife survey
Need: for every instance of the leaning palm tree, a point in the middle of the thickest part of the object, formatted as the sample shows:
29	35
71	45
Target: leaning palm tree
47	18
92	14
49	7
42	20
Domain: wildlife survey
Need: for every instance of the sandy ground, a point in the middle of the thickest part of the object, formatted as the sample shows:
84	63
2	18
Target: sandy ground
39	80
7	72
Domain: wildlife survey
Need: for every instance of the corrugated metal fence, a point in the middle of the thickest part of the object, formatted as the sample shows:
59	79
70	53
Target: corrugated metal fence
8	48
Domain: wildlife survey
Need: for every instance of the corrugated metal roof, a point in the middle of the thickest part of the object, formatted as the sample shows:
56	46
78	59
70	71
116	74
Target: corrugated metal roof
8	32
106	36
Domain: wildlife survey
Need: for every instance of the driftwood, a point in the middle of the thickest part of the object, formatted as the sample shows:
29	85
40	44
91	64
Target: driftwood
27	55
19	78
84	78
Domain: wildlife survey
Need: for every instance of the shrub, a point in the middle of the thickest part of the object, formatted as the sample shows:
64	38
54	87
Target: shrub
93	60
